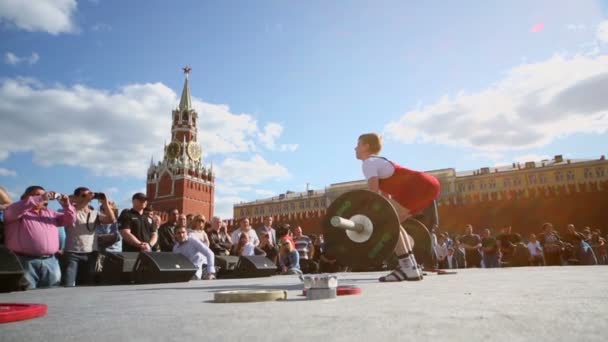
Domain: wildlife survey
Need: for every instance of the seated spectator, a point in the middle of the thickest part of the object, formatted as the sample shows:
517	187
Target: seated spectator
289	258
81	244
305	248
328	262
284	232
220	241
536	251
244	247
267	227
267	247
166	231
196	252
31	233
198	229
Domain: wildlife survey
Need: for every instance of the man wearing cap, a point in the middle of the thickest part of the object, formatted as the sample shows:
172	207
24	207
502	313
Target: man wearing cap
32	234
137	230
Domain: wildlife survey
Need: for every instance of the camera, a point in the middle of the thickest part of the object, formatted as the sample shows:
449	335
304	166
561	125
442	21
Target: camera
55	197
100	196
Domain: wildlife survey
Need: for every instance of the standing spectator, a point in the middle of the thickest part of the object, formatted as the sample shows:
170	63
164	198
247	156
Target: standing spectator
196	252
489	247
471	243
108	235
219	239
451	261
506	243
32	234
598	243
267	227
459	254
166	232
441	250
536	251
137	230
289	258
246	228
198	229
5	201
551	244
81	241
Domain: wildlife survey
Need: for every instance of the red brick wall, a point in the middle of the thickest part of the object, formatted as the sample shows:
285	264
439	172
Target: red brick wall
527	214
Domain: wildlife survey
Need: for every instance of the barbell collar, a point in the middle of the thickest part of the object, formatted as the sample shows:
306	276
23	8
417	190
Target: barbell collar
346	224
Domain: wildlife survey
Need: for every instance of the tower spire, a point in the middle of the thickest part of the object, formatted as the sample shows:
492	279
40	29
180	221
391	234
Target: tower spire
186	102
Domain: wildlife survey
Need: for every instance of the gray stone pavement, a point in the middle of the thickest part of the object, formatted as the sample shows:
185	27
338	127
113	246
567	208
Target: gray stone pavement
511	304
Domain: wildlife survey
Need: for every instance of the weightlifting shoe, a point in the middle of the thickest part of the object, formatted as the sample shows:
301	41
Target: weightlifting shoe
407	270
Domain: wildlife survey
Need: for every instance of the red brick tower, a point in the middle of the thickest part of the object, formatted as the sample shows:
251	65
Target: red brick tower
181	180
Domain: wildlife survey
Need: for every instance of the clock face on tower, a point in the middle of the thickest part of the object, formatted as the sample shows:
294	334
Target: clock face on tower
194	151
173	150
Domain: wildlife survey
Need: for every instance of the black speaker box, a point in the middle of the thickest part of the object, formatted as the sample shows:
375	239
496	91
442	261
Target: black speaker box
225	265
11	272
254	266
118	267
163	267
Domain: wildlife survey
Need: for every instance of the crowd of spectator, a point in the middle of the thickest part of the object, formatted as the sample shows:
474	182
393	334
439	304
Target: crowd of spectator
547	247
66	247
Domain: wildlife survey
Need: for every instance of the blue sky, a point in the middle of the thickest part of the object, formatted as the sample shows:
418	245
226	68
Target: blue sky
283	88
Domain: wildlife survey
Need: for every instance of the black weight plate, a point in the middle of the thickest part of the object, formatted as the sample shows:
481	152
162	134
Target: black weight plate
423	245
381	243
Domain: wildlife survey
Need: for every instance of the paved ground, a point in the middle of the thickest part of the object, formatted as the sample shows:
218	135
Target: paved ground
516	304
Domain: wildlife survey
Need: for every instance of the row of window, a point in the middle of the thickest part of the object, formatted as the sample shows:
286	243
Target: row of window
280	208
534	179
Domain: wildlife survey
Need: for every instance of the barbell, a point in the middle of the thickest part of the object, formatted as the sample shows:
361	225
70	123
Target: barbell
361	229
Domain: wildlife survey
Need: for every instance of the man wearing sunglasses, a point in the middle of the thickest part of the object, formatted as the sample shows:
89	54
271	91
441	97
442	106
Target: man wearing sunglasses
32	234
81	239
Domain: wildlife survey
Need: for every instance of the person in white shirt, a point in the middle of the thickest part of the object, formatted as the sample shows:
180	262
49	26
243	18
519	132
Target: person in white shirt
441	250
197	252
246	228
536	251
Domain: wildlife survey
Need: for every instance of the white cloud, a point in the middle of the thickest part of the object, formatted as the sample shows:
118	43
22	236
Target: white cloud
52	16
12	59
602	32
7	173
270	134
533	105
531	157
223	205
113	133
253	171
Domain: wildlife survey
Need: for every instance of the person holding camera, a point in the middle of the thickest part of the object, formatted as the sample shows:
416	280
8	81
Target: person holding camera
220	241
32	234
138	231
81	244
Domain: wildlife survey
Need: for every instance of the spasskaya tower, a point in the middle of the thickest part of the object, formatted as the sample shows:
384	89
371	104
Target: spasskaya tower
181	180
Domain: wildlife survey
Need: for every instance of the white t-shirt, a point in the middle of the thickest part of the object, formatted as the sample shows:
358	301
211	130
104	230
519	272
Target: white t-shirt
532	247
377	167
81	237
253	236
